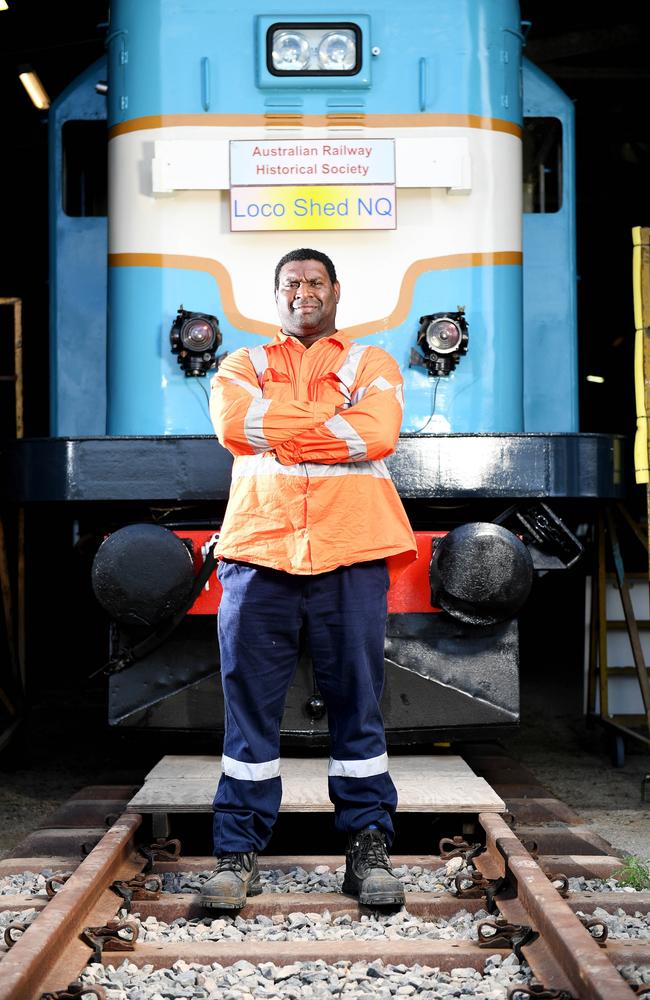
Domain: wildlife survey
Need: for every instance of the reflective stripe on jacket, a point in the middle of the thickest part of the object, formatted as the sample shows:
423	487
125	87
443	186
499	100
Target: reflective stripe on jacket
309	429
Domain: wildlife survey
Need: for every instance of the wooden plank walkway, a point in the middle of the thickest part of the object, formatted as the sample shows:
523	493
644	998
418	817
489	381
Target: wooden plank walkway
437	784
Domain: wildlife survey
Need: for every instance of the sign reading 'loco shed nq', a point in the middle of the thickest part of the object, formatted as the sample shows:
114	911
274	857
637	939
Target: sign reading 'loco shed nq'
312	184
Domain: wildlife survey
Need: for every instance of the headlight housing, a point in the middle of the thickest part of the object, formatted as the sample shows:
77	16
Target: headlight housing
443	338
195	338
313	49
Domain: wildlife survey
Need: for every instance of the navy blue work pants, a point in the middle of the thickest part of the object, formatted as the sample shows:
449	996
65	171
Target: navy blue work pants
261	615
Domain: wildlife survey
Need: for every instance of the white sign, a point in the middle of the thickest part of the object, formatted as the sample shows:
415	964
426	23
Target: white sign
312	161
204	164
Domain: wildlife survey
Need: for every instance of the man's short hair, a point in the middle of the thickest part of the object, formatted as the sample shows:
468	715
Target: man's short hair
305	254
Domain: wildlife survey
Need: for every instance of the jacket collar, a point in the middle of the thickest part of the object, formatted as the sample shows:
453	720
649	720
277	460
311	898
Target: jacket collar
339	337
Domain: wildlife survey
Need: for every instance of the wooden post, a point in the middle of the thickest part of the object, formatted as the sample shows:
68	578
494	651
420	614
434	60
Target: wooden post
630	620
16	645
601	578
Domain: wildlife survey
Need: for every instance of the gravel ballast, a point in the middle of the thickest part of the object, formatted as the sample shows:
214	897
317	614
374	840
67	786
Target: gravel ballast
313	927
17	916
581	884
638	975
14	917
414	878
25	883
621	926
244	981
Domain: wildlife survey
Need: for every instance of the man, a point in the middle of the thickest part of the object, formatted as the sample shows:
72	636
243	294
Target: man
313	522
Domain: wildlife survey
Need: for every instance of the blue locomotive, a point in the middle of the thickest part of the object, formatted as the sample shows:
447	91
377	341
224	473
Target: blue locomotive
417	148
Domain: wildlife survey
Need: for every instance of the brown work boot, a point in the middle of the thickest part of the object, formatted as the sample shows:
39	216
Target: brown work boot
368	872
235	877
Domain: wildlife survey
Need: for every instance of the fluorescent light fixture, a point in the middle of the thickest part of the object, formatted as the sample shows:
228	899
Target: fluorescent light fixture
595	378
35	89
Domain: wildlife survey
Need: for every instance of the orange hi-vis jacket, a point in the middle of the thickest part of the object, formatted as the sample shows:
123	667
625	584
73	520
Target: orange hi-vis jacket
309	429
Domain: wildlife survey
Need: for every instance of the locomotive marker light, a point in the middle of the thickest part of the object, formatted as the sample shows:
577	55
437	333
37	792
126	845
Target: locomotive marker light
195	337
309	49
444	338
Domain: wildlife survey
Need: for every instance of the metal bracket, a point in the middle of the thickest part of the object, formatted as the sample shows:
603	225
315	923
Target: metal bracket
500	933
473	885
532	847
77	991
539	991
140	887
551	544
160	850
560	883
457	847
55	883
88	846
108	936
597	928
9	937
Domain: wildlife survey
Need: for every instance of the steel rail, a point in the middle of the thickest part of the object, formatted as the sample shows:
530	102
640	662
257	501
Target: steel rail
581	959
45	957
52	954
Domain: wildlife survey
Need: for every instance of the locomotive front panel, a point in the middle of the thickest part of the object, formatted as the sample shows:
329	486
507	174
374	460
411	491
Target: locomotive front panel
390	139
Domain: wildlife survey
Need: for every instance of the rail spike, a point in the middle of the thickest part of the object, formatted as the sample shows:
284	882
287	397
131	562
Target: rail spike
160	850
55	883
473	885
138	888
108	936
500	933
77	991
539	992
13	932
457	847
560	883
597	928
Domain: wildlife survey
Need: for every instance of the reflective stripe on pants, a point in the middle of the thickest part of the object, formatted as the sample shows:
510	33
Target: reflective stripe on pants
260	617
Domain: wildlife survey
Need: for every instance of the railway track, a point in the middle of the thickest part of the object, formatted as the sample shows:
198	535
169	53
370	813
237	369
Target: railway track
496	918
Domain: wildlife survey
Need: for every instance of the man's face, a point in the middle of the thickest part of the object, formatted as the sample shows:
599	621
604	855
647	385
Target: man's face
307	300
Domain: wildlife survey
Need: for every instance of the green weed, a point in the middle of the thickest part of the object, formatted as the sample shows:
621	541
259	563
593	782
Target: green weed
635	872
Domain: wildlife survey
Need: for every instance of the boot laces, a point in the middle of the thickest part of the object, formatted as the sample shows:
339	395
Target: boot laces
234	863
371	848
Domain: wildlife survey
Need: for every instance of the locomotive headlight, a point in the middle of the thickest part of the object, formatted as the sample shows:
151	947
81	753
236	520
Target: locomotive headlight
195	339
338	50
290	51
198	335
310	48
443	337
